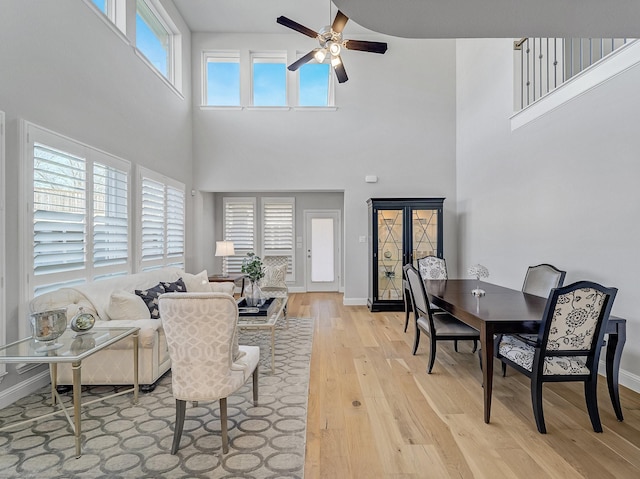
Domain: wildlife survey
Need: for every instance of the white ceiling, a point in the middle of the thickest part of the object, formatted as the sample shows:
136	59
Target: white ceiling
425	18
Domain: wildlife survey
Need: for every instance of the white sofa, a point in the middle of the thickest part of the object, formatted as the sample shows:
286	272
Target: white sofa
114	303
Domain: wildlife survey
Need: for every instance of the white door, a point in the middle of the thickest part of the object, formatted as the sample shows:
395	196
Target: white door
322	250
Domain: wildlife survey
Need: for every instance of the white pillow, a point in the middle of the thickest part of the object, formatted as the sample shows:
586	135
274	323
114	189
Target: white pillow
197	283
125	305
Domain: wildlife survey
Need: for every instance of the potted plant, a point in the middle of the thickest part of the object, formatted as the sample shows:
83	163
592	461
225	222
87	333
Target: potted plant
254	269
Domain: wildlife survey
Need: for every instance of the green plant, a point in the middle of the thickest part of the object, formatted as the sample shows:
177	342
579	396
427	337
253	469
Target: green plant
252	267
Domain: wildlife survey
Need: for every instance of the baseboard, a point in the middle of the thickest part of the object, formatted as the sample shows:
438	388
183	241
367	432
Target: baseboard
354	301
24	388
625	378
297	289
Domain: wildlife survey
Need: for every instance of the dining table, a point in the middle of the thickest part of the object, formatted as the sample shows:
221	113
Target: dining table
505	310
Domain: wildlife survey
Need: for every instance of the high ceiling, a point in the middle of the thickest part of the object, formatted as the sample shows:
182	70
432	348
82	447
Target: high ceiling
425	18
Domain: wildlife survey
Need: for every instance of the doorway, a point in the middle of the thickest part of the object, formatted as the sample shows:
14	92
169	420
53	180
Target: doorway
322	250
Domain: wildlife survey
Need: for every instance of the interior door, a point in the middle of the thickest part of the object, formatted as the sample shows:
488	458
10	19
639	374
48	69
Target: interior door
322	250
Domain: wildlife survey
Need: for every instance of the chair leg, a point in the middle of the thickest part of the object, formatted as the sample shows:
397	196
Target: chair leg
536	400
455	345
416	340
406	316
181	407
504	369
475	345
432	354
255	385
223	425
590	393
480	358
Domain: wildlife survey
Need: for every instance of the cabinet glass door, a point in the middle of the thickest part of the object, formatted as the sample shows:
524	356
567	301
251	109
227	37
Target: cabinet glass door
424	241
390	253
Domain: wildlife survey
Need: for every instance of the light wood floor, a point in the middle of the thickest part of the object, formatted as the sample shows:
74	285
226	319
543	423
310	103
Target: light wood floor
375	413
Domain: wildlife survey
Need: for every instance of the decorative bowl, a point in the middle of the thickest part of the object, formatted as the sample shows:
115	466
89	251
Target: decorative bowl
47	326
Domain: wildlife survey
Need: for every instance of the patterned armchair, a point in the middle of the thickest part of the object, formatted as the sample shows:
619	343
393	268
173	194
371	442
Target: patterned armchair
439	326
567	347
273	284
206	362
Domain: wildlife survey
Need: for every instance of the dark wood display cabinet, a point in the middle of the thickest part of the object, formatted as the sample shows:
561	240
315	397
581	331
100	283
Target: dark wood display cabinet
401	230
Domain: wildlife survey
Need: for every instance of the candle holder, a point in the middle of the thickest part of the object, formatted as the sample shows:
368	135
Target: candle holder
478	271
47	326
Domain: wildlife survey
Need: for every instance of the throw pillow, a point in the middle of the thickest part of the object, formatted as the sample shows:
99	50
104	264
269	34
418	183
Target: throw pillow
150	297
197	283
125	305
175	287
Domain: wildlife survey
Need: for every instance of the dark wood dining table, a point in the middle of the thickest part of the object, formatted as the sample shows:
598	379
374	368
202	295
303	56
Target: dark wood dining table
505	310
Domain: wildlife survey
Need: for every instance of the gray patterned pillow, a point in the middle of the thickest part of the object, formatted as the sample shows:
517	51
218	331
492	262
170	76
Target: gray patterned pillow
175	287
150	297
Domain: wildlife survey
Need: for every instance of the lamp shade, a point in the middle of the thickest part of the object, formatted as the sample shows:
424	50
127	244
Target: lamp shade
225	248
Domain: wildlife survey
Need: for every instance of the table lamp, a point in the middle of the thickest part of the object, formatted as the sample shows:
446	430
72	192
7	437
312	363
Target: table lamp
224	248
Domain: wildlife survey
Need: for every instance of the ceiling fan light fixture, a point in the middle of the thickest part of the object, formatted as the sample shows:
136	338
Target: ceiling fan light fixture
320	55
334	49
335	61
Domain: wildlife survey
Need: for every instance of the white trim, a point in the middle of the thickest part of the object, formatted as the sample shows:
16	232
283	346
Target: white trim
267	108
116	17
278	57
315	108
619	61
24	388
354	301
158	73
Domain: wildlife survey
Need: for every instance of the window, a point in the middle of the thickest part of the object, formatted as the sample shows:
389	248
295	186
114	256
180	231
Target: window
222	79
269	79
278	229
114	12
161	230
314	81
158	39
79	212
101	4
239	227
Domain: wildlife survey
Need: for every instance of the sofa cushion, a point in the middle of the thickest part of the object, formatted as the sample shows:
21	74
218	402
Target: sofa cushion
177	286
149	330
125	305
150	297
197	283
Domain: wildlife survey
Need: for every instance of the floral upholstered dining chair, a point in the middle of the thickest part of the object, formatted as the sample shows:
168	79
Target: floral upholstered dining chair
430	267
567	347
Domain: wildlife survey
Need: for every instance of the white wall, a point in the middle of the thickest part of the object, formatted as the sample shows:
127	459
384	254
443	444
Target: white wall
62	68
395	119
561	189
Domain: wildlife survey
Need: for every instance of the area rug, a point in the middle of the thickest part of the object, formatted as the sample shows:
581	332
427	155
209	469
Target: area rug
122	440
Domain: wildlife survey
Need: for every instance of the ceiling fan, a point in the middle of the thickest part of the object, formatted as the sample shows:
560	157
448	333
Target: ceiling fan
331	42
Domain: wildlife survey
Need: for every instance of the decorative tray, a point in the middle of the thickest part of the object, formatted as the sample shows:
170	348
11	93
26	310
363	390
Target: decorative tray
265	310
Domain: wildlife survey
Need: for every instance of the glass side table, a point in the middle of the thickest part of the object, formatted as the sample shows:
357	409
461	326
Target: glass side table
74	348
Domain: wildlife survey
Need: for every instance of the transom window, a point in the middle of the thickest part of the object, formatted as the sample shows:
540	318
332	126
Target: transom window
269	79
314	82
222	79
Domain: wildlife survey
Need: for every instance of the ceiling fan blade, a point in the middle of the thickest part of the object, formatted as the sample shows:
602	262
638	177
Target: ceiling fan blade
308	57
339	22
341	73
297	27
365	46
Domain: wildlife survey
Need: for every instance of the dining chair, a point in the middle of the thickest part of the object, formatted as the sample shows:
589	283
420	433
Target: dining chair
439	326
207	364
567	347
430	267
539	281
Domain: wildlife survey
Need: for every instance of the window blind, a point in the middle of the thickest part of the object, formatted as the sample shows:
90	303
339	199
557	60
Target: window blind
239	227
59	211
278	229
175	222
153	220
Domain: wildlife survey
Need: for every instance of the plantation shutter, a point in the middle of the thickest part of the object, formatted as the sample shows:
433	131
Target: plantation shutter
110	220
59	211
239	227
278	228
175	223
153	220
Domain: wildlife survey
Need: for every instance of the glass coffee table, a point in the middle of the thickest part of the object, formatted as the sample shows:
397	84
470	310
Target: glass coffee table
256	318
71	348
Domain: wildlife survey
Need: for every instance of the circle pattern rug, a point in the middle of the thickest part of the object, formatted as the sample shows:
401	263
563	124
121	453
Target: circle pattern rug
123	440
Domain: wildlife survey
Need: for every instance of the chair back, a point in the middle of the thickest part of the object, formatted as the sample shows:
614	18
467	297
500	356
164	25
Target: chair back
541	279
200	329
432	267
275	272
574	323
418	292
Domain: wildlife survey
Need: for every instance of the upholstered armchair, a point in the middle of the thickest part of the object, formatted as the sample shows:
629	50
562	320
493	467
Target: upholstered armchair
567	347
206	362
439	326
273	284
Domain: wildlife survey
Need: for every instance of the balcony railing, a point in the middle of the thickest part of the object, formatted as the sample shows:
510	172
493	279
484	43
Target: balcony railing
543	64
